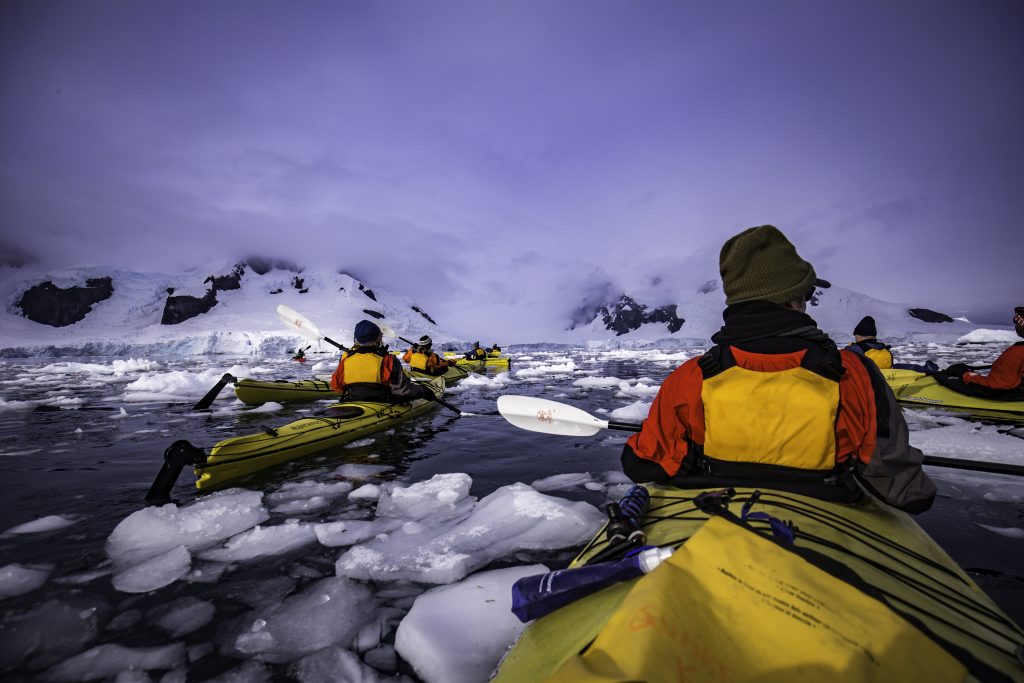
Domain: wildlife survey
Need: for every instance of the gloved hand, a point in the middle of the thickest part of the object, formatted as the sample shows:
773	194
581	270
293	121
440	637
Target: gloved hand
957	370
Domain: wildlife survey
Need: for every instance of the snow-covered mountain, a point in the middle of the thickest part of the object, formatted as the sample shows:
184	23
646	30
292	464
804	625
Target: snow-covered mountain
229	308
224	308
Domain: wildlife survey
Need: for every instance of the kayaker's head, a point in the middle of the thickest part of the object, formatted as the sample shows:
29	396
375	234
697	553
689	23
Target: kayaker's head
1018	320
366	333
865	329
761	264
425	343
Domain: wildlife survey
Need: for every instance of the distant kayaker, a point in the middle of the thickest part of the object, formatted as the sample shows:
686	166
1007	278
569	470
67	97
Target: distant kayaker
1007	373
762	406
494	351
300	356
422	358
368	372
476	353
865	343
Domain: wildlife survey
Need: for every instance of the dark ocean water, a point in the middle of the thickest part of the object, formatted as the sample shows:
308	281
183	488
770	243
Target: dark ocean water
95	463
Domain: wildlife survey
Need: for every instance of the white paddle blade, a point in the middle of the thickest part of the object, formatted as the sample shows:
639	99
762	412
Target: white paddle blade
295	320
549	417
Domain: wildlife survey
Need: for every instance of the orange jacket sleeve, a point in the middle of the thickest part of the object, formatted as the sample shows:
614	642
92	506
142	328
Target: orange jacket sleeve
1006	372
676	415
407	356
856	426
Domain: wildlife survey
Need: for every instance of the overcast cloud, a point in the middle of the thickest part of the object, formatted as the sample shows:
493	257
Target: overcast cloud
505	152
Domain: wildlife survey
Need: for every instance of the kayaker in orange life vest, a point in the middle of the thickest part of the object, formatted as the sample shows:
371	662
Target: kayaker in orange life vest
1007	373
368	372
762	407
423	359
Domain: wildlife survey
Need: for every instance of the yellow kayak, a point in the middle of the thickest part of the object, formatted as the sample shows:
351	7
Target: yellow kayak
490	361
858	593
344	422
924	390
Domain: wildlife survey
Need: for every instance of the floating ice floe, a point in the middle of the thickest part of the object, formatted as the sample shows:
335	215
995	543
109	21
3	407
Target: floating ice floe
566	368
512	519
47	633
263	541
983	336
982	442
561	482
328	613
43	524
352	531
177	385
634	412
366	492
598	382
109	660
154	573
1009	532
182	616
457	633
358	472
18	579
268	407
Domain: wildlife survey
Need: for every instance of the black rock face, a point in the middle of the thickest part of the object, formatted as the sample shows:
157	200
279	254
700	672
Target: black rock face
421	312
373	314
627	315
929	316
178	309
232	280
367	291
49	304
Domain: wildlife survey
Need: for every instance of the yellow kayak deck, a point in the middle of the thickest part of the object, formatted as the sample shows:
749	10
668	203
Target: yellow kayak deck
884	548
924	390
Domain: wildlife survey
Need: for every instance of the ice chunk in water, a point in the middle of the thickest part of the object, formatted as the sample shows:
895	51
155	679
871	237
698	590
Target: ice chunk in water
18	579
358	472
365	492
43	524
182	616
511	519
350	532
302	490
107	661
154	573
331	665
328	612
263	540
634	412
559	482
155	530
457	633
439	494
46	634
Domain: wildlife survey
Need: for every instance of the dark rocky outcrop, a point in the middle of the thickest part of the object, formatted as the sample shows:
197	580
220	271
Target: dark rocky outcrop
929	316
708	287
627	315
300	284
262	266
373	314
232	280
178	309
276	291
421	312
367	291
49	304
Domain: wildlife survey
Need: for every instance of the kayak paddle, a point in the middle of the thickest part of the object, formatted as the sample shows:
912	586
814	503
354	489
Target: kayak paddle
211	395
552	417
303	325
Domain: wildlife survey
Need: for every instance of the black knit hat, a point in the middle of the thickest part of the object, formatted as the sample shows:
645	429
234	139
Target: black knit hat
426	341
366	332
866	327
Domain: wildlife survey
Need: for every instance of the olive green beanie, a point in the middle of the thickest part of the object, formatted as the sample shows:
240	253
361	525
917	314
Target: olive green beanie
761	264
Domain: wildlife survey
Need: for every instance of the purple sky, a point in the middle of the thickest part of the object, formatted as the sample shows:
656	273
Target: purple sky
458	152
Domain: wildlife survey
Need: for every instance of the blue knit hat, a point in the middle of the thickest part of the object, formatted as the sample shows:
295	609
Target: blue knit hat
366	332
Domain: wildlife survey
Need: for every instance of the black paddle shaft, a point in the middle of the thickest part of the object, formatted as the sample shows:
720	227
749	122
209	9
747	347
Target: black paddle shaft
206	401
336	344
176	457
975	465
